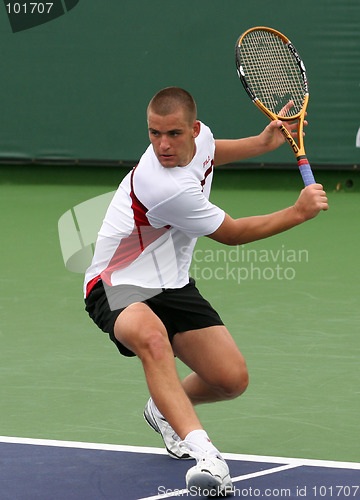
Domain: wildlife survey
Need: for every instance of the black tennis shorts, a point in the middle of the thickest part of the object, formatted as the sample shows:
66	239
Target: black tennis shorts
180	309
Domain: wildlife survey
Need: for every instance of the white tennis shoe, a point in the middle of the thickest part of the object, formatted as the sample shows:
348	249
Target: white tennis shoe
210	476
171	440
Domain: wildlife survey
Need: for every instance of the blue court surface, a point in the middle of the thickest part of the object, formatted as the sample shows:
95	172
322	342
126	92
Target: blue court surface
38	469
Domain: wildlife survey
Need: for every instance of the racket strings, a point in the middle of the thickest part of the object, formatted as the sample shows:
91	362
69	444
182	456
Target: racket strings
272	72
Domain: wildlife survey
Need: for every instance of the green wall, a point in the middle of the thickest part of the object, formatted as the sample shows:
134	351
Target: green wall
76	87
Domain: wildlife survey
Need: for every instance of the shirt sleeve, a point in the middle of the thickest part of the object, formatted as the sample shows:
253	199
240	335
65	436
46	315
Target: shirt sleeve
188	211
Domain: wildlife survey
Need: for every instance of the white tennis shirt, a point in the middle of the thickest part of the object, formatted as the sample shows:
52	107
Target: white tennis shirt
150	228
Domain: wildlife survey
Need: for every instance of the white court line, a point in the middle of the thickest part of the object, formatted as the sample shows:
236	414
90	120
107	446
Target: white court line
264	472
82	445
161	451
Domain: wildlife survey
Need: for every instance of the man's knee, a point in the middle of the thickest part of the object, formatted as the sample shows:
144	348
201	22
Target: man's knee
153	343
234	381
141	331
148	342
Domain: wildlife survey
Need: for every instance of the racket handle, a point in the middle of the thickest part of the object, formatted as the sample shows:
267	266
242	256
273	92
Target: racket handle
306	172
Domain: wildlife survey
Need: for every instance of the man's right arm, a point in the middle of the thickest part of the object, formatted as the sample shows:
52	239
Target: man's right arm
311	201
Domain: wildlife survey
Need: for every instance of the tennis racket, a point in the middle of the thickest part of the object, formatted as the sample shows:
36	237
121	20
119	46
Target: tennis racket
273	74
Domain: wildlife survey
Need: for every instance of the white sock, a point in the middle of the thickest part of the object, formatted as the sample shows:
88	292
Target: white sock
201	440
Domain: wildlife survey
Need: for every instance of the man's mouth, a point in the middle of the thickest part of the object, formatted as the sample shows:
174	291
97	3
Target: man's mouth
166	157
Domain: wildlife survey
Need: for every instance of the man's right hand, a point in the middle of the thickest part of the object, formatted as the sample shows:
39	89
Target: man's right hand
311	201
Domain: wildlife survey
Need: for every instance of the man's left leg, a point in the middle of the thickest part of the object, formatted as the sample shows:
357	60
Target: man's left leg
219	373
219	368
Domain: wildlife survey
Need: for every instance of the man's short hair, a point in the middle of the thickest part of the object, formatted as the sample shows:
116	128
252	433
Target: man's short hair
170	99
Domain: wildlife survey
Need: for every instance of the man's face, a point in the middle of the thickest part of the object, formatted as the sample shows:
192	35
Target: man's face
173	138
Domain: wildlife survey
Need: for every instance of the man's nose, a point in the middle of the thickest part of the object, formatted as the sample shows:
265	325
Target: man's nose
164	143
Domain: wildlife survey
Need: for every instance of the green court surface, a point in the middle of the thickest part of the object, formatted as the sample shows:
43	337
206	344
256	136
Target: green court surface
291	303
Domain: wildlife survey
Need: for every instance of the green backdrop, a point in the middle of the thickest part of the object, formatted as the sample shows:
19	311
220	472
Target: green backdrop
76	87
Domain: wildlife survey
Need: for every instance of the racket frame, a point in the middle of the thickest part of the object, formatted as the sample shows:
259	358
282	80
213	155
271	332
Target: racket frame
298	148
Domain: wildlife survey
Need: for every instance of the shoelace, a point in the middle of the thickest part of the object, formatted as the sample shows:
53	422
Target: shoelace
198	453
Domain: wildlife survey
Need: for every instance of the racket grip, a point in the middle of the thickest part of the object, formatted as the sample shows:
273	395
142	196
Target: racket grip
306	172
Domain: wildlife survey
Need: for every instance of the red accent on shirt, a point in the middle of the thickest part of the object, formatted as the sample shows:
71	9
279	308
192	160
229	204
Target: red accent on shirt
133	245
208	172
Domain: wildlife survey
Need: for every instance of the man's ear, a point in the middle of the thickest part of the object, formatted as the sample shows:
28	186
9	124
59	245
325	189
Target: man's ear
196	128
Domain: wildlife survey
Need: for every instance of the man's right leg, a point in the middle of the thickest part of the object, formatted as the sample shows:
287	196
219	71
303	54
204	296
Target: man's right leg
140	330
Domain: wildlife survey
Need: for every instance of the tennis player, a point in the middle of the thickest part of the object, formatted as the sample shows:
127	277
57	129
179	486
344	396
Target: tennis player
138	288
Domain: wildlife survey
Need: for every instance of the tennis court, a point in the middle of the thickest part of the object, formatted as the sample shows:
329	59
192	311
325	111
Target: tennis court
76	79
71	406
